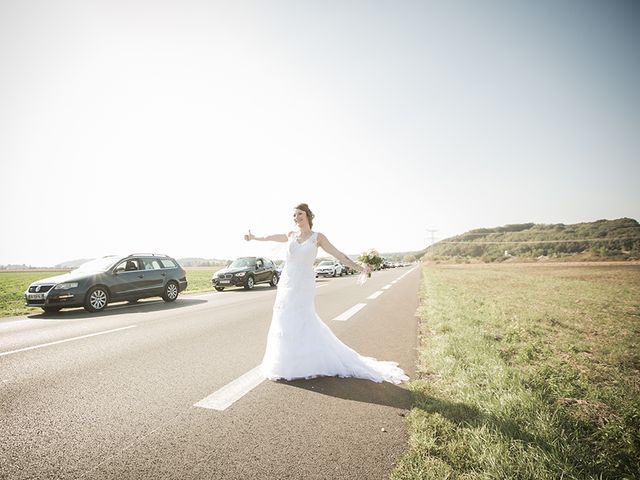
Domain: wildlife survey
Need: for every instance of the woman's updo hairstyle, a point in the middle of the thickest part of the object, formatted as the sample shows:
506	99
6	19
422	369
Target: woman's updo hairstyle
305	208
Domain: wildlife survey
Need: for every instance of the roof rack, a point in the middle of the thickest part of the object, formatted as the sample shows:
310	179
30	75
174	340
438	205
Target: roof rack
147	255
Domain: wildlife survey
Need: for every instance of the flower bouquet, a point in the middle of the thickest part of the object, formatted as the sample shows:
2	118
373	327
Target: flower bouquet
371	259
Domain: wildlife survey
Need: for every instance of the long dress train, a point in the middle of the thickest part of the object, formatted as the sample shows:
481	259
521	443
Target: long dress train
299	344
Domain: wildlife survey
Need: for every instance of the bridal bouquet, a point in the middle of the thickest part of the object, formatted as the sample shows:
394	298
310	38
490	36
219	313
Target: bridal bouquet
371	259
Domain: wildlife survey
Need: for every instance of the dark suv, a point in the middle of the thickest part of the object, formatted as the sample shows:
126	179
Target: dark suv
246	272
109	279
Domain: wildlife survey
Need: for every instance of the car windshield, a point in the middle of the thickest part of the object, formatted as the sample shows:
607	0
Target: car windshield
97	265
243	263
326	262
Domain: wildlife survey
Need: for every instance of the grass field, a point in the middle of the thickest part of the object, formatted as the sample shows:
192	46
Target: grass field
526	372
199	278
14	284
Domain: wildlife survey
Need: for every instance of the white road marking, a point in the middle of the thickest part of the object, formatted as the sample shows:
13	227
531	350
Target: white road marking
351	312
387	287
66	340
373	296
407	273
223	398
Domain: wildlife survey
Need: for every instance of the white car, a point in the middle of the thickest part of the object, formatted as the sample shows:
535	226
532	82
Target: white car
329	268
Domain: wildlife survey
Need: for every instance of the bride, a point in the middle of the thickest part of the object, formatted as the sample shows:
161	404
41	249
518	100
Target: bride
299	344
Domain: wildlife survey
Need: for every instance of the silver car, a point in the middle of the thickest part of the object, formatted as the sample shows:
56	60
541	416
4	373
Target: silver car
329	268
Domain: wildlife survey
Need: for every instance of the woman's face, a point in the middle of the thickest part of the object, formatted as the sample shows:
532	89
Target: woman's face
300	218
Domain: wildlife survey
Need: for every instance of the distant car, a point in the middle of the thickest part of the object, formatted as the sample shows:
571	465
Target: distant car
246	272
329	268
98	282
347	270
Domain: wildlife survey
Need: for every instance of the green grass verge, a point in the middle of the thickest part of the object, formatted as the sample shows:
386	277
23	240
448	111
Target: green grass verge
526	372
199	279
14	284
12	288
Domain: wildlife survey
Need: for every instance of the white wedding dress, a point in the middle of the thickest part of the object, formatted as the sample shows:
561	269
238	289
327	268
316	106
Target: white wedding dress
299	344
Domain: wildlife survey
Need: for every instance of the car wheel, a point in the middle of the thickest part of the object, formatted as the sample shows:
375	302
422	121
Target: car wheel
334	273
51	309
274	280
219	288
170	292
250	283
96	300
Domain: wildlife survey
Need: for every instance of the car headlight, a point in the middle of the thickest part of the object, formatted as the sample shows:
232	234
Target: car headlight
66	286
241	274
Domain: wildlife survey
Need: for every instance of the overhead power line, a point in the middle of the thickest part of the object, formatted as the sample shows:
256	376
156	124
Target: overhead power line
432	231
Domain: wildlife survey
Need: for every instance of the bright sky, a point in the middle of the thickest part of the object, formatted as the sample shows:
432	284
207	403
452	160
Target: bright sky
173	126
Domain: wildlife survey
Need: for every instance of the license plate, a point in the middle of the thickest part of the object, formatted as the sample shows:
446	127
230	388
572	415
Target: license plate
35	296
226	282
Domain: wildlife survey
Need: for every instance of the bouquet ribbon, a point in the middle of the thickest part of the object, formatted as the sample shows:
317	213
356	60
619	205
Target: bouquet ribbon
365	274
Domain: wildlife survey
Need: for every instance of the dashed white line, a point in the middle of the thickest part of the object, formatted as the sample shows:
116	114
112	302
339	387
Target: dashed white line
350	313
225	397
386	287
66	340
375	295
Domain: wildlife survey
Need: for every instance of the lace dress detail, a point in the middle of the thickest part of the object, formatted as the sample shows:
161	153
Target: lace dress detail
299	344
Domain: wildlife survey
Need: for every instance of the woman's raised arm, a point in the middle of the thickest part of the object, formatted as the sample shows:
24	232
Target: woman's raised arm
328	247
278	237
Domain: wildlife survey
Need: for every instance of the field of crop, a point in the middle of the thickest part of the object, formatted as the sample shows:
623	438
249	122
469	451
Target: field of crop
526	372
14	283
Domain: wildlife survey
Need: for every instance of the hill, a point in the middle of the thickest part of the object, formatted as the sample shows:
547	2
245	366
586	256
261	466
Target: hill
600	240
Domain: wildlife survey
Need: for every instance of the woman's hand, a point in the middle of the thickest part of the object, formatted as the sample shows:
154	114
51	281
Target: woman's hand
249	236
366	270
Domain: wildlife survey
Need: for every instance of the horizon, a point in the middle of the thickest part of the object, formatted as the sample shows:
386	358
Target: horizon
321	254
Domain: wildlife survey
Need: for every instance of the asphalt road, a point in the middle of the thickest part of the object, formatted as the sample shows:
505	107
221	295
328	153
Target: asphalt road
113	395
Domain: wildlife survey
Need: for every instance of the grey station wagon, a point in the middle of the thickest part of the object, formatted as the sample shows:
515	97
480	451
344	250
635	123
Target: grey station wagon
109	279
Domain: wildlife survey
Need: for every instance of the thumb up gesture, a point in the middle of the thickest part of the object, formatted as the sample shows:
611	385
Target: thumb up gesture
249	236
